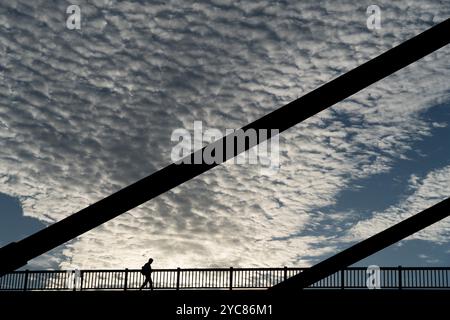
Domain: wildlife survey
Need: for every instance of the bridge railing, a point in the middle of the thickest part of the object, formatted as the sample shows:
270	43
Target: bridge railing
220	278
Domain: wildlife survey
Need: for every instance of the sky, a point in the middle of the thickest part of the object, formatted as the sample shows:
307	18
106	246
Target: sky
84	113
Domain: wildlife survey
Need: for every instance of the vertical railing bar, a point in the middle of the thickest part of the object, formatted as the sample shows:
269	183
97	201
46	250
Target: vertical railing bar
188	279
432	278
210	279
424	278
125	285
446	278
174	279
25	284
231	278
438	277
13	281
166	279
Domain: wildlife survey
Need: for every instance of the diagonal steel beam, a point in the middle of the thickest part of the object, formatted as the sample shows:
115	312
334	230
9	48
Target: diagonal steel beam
16	255
367	247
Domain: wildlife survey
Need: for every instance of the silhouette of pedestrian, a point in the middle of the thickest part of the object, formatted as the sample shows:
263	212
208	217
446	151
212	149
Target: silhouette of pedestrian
146	270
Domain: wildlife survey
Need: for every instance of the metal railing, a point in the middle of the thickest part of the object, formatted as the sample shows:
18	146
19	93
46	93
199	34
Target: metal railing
220	278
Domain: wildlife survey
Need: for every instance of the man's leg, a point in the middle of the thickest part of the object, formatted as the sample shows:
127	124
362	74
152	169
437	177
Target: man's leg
144	284
151	283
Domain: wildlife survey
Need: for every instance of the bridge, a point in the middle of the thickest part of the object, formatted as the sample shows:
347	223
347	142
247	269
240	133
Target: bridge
221	278
290	286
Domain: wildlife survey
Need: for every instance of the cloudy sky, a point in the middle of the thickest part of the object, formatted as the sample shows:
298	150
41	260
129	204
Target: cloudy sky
86	112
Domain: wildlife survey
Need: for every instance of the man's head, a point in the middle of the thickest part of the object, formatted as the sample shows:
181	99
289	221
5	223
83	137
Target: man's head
150	260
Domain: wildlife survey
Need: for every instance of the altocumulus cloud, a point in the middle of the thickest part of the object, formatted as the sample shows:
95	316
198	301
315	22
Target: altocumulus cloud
84	113
427	192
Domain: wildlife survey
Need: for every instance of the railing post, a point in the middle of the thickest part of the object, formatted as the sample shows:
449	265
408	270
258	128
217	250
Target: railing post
231	278
125	285
74	272
285	273
400	284
178	278
342	279
25	284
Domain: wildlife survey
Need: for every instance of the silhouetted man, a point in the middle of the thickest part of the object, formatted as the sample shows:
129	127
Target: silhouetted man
146	270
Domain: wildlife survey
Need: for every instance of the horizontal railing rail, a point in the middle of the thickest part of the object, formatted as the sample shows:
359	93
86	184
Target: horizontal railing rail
223	278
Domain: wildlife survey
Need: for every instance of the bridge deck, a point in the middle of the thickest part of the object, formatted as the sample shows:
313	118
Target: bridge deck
356	304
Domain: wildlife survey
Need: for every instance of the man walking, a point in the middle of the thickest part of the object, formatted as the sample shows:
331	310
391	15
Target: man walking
146	270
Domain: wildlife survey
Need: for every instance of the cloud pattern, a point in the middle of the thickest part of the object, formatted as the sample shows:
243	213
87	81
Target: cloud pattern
86	112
